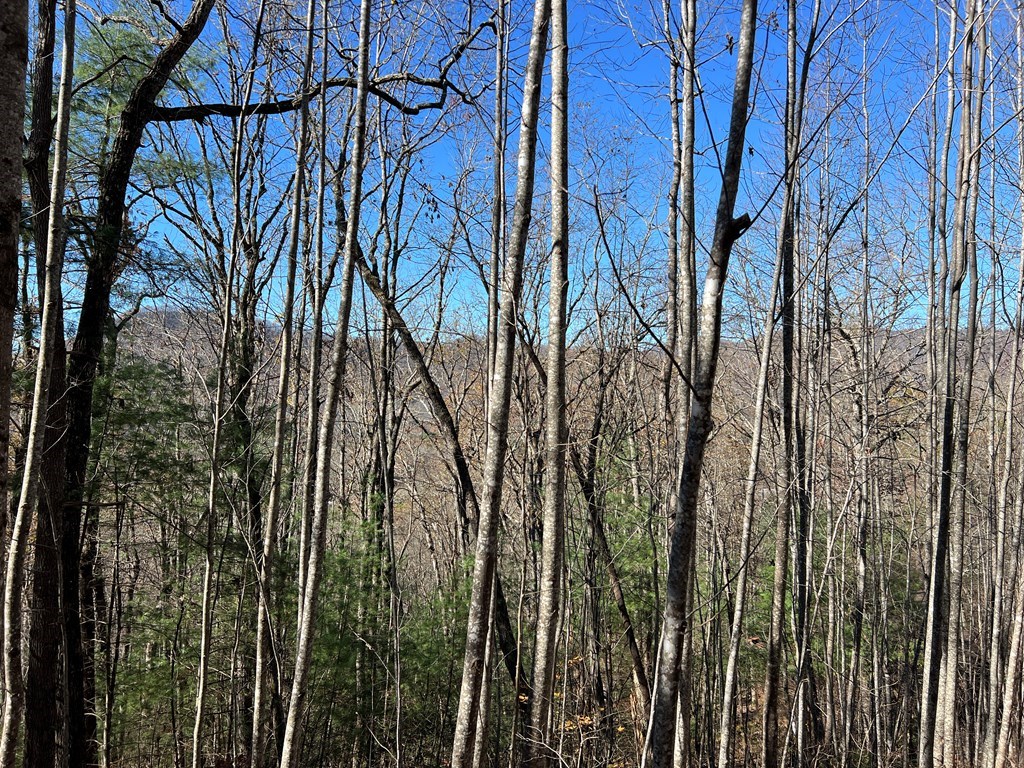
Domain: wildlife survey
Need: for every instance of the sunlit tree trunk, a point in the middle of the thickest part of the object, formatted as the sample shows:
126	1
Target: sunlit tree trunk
863	362
552	554
727	230
41	715
794	459
965	265
1003	681
727	722
291	746
499	399
265	565
940	630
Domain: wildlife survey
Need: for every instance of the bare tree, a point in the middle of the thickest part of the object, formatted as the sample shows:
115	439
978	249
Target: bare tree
274	504
936	704
727	231
552	554
291	746
499	399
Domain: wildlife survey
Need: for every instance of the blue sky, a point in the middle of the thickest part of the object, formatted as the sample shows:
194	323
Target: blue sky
620	135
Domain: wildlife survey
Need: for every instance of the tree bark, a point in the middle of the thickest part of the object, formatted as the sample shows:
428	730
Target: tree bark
934	705
553	546
727	231
103	267
270	523
1002	680
499	400
291	746
13	66
966	262
49	344
730	682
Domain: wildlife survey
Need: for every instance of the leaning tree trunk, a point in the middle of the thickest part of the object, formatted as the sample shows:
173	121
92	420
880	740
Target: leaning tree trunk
727	231
446	423
44	640
102	271
43	716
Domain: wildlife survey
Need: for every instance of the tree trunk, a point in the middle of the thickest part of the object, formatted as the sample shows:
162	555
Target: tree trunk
947	325
730	683
727	231
552	553
44	712
103	268
1000	676
270	523
291	746
13	65
49	344
499	400
936	707
967	261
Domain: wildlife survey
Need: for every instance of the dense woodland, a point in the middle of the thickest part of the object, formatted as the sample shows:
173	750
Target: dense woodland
475	384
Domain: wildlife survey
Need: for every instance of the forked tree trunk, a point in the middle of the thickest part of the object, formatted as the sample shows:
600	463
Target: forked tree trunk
930	741
727	231
967	262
